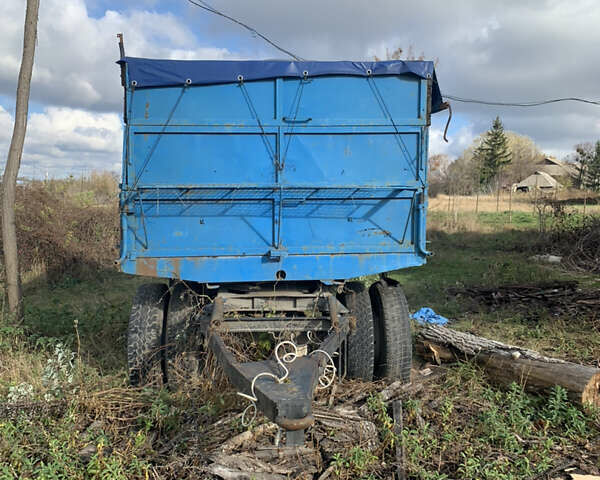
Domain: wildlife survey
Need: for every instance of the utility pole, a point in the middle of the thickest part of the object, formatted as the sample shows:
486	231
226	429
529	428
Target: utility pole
13	163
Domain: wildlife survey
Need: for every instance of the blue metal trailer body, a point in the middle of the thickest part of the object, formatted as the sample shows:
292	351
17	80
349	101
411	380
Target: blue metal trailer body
265	170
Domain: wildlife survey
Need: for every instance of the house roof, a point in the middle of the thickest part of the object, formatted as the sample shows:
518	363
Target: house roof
556	168
540	180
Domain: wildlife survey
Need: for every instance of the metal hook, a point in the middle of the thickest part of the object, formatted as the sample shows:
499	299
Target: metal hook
447	105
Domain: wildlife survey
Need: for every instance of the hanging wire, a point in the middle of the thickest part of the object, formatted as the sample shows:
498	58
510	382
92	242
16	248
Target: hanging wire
249	413
325	379
521	104
205	6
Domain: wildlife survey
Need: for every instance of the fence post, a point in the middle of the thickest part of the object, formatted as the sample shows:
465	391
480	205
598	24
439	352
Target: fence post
510	205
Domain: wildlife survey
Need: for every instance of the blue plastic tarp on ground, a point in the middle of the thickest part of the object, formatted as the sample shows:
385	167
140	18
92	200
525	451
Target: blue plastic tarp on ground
166	73
427	315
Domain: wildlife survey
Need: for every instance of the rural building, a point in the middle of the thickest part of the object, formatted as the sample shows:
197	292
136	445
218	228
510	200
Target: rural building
540	180
556	168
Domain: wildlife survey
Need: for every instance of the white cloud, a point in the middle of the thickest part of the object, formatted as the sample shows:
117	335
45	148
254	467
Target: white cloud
6	123
62	141
511	50
458	141
76	54
77	81
514	50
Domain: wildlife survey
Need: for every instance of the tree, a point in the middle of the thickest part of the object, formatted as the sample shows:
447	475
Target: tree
13	163
463	173
493	154
524	160
437	173
584	153
399	54
592	179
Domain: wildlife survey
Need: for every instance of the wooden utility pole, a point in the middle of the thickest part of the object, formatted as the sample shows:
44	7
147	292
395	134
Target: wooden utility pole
13	163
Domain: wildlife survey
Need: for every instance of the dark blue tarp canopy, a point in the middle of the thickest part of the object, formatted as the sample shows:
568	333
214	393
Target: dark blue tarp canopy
167	73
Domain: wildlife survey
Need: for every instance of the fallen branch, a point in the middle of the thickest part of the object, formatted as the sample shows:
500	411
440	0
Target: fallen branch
562	297
232	474
246	437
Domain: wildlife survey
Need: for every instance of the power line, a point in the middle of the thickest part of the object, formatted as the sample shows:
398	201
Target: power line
205	6
521	104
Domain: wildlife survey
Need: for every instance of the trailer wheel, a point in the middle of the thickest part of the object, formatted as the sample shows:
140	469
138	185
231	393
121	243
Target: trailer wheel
183	344
145	332
361	345
393	340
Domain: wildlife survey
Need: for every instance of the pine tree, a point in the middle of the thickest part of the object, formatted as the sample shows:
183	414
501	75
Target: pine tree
592	178
493	153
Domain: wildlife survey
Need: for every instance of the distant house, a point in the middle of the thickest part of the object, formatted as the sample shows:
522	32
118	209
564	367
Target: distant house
551	174
556	168
539	180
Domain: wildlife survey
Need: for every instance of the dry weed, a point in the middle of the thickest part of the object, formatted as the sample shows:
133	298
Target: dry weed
56	234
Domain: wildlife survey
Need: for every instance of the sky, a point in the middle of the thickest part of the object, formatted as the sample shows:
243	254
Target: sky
514	50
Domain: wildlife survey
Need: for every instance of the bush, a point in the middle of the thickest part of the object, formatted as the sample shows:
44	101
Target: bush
58	232
577	238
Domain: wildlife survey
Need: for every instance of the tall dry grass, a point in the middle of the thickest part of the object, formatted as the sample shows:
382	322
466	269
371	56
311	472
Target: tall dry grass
516	202
486	203
68	225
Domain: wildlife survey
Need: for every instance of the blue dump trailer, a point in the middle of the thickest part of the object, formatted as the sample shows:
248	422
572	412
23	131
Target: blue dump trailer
255	190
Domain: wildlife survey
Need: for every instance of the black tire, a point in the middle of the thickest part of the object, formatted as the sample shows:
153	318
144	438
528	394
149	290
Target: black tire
145	333
183	352
393	340
361	344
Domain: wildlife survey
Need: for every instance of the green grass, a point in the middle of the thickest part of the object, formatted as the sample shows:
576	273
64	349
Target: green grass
514	220
472	258
489	259
459	426
470	429
97	306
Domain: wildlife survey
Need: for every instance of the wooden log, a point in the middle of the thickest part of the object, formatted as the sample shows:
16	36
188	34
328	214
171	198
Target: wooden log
508	363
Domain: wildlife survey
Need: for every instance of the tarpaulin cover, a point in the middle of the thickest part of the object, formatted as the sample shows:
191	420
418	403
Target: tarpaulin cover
427	315
166	73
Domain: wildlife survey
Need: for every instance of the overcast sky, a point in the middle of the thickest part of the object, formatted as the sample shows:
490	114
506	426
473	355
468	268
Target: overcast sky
507	51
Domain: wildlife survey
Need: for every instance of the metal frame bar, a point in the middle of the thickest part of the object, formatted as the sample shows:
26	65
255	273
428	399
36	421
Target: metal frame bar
288	404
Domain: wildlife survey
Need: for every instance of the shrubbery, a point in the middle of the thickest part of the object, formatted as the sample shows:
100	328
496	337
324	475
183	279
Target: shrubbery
67	225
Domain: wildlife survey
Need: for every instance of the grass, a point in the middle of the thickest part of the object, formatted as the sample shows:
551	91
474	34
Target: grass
517	202
97	309
491	256
469	429
63	379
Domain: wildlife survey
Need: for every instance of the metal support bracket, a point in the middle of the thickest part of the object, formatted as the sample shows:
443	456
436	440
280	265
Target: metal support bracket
276	254
289	403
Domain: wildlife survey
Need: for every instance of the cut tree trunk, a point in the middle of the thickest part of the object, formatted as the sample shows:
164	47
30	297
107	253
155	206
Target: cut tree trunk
13	162
506	363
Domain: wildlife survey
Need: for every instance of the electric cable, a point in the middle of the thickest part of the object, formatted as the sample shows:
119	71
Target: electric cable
520	104
209	8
